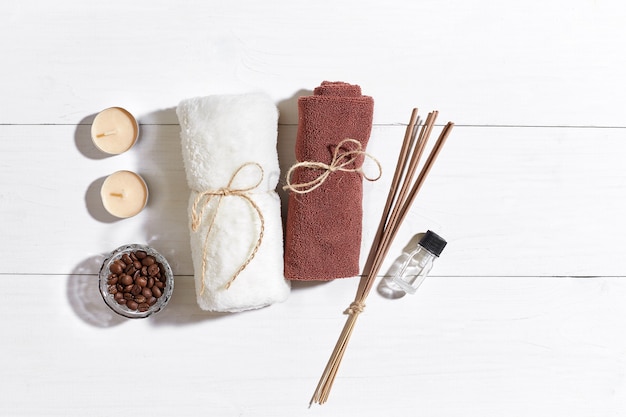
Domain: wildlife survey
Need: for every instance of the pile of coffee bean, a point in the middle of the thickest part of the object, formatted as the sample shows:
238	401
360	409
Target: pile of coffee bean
136	280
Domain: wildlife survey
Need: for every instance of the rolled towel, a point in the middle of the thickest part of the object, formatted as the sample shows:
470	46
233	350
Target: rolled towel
231	163
323	228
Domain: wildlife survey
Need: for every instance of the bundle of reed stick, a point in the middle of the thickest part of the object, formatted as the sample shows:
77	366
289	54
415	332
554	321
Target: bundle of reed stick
402	192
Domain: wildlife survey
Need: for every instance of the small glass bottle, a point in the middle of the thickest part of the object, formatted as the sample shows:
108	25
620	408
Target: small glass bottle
419	262
387	288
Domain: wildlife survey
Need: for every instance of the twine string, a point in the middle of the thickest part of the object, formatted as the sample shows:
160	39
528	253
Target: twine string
355	308
203	199
339	162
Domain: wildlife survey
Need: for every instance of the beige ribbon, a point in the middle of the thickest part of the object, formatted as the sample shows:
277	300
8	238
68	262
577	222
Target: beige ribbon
202	200
341	159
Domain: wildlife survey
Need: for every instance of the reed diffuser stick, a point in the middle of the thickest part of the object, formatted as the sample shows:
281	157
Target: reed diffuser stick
403	207
402	193
409	167
407	143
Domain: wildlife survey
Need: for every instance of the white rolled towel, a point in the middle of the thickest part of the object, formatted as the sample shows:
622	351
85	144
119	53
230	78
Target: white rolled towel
231	163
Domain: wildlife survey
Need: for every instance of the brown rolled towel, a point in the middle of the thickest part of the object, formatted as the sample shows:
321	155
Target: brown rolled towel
323	228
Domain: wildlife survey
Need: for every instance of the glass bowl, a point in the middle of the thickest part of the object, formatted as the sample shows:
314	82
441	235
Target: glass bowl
145	290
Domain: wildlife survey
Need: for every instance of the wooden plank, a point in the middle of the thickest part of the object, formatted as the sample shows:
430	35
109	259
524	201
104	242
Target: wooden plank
482	345
510	201
480	62
522	201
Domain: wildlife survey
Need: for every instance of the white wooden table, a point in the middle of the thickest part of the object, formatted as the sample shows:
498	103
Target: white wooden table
525	312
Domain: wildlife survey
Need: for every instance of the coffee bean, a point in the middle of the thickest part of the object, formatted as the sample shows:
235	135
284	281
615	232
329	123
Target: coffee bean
150	282
112	289
146	292
133	256
148	260
126	259
132	304
119	296
143	307
128	296
136	290
116	268
152	300
126	279
158	284
129	288
140	254
156	291
153	269
140	298
112	280
137	264
141	281
121	301
144	270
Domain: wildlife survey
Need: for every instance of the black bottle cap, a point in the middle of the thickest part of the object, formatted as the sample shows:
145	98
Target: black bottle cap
433	243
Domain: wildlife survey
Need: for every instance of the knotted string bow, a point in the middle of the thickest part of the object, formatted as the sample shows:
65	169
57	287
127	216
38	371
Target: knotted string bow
202	201
340	162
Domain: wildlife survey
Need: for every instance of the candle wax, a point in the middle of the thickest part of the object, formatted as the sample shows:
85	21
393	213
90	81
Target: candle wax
124	194
114	130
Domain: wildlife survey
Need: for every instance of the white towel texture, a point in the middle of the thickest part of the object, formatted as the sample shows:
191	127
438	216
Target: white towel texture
231	162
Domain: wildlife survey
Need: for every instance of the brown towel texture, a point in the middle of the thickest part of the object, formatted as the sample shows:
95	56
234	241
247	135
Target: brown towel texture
323	229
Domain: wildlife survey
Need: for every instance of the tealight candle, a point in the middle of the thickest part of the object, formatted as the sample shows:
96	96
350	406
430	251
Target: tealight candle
114	130
124	194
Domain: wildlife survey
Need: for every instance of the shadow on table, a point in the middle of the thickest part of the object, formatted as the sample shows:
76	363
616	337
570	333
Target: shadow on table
182	308
83	142
84	297
159	161
288	111
93	202
386	287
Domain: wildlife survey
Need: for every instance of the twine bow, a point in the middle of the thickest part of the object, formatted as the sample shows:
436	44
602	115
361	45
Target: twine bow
340	161
202	201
